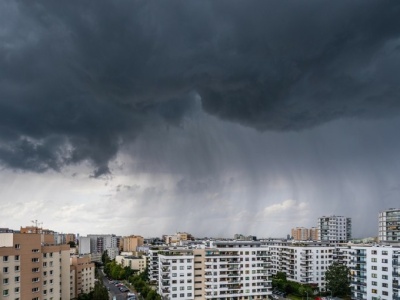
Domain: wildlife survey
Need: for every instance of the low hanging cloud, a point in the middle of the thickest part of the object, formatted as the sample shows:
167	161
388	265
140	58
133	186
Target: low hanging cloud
78	81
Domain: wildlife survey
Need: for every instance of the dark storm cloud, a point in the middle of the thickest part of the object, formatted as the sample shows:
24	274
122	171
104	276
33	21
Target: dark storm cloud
78	80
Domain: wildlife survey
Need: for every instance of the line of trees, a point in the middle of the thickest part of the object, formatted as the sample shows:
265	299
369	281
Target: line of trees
337	282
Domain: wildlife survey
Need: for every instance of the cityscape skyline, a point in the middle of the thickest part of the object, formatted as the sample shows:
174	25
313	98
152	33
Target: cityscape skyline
116	118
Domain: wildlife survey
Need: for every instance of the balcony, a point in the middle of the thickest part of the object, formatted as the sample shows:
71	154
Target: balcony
358	282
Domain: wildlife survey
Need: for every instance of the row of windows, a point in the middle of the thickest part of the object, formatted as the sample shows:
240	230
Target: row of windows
6	269
374	275
7	281
383	284
181	274
182	267
384	260
182	288
7	258
376	268
384	293
181	295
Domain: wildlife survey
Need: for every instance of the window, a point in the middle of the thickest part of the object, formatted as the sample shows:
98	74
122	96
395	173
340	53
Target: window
16	268
373	275
384	252
17	246
16	290
16	258
384	277
5	293
374	283
384	269
174	288
16	278
384	284
35	270
5	258
5	270
374	291
374	268
36	279
384	260
35	289
5	280
35	259
374	259
384	293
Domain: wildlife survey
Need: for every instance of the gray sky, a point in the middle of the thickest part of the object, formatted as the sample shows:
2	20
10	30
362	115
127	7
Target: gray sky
210	117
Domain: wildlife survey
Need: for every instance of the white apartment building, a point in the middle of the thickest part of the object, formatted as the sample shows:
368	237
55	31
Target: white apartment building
176	274
237	270
334	229
224	270
375	273
84	245
389	226
304	263
100	242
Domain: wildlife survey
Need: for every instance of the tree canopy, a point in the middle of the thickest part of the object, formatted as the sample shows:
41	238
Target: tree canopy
337	279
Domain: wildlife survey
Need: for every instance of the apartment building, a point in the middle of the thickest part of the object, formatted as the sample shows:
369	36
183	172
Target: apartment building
375	273
130	243
334	229
97	244
300	234
389	226
29	269
223	270
304	263
177	238
176	274
136	263
82	275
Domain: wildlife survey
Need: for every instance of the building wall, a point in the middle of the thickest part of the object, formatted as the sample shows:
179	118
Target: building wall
135	263
27	270
176	276
335	229
389	226
84	274
130	243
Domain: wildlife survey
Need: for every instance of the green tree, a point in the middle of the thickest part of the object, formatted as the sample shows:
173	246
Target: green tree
105	258
71	244
337	279
99	292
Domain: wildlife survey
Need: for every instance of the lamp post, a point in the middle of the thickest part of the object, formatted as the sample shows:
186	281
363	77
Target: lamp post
307	295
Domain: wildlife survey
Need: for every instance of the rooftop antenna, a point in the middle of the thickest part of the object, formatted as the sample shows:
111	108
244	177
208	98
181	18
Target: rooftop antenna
36	225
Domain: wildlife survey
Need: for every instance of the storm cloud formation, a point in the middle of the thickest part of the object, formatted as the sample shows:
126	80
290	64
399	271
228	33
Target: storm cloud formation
79	80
